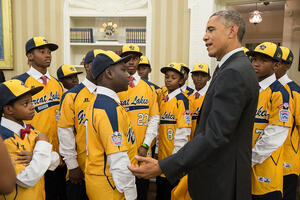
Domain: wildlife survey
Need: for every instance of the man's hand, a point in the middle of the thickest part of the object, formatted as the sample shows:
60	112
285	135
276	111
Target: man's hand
142	151
43	137
149	170
76	175
24	157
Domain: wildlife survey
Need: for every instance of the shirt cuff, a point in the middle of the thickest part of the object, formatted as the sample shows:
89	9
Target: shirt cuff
54	161
130	194
71	163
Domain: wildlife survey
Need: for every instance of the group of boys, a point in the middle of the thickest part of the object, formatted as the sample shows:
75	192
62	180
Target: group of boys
75	141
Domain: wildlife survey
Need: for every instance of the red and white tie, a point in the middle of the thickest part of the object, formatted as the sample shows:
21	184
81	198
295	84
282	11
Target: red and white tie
166	98
197	95
131	84
44	78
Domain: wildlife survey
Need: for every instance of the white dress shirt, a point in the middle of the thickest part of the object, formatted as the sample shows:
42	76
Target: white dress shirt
274	135
222	61
67	141
118	162
183	88
284	79
37	75
136	79
42	158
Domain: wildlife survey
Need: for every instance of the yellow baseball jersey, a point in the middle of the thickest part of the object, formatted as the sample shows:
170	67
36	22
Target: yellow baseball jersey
73	109
46	104
291	162
180	192
272	108
161	93
173	114
195	106
140	103
15	144
109	131
188	91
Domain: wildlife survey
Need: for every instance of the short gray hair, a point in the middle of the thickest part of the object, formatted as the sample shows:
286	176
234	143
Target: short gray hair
233	17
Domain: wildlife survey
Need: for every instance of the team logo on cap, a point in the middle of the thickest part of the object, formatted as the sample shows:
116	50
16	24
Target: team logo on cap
72	69
131	47
200	66
46	41
171	65
262	47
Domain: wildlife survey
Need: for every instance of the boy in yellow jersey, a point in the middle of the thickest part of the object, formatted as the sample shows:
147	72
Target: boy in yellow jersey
140	102
200	76
16	106
271	125
175	123
291	146
46	102
184	88
72	129
110	139
67	75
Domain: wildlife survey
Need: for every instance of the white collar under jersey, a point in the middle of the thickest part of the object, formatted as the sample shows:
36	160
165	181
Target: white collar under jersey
264	84
137	78
202	91
183	88
12	126
284	79
37	75
222	61
108	92
174	93
89	85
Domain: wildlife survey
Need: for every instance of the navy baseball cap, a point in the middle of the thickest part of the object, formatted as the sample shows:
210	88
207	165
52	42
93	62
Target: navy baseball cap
13	89
90	56
104	60
66	70
36	42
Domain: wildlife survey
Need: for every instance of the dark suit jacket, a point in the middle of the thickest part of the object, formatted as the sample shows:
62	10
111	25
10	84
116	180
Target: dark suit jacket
218	159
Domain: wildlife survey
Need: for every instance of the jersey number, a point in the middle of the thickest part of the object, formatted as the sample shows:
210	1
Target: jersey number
170	134
142	119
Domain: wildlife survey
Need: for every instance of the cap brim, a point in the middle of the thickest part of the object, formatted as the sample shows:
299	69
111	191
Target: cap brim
200	72
35	90
129	52
72	74
124	60
186	68
165	69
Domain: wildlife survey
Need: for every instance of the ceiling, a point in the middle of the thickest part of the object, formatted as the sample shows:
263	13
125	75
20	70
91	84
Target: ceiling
246	8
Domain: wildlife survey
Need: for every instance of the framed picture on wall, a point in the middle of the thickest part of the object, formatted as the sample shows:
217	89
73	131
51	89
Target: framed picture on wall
6	45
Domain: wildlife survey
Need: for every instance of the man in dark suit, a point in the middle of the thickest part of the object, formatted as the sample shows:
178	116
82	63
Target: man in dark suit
218	159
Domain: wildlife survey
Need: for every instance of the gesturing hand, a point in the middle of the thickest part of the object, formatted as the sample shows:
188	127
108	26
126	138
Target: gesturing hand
148	170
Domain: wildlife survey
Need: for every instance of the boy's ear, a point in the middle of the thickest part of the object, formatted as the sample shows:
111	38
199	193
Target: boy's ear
109	73
7	109
30	56
276	65
208	78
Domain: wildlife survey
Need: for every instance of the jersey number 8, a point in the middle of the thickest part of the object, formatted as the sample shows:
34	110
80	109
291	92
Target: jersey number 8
170	134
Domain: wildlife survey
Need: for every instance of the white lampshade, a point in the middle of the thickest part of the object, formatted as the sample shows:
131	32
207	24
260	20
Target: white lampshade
255	17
